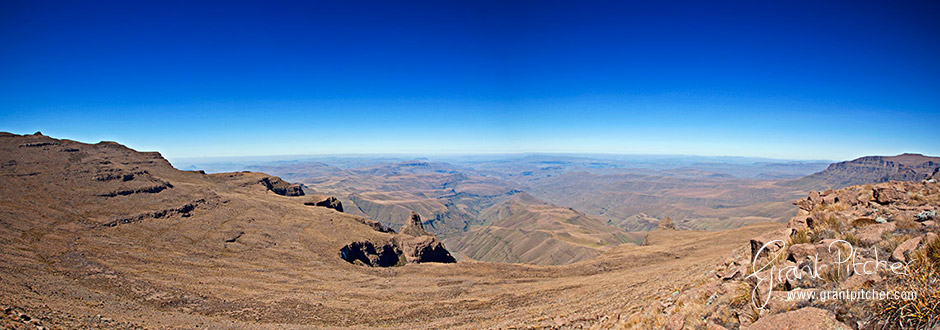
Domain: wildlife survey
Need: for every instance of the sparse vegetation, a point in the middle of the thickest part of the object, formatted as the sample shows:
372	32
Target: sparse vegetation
801	236
922	278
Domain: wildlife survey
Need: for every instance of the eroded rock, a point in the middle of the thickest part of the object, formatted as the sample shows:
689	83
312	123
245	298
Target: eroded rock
370	254
282	187
414	226
326	201
425	249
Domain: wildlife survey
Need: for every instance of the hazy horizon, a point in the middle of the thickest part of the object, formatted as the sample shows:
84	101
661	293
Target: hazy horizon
785	81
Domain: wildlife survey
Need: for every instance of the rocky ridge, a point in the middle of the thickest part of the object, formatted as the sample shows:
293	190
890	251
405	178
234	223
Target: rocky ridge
872	169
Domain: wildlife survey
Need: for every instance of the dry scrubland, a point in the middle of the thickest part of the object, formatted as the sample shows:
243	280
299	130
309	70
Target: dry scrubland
101	236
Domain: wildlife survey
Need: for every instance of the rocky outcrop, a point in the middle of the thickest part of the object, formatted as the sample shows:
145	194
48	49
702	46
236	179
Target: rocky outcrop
425	249
413	245
887	195
414	227
326	201
371	254
870	237
282	187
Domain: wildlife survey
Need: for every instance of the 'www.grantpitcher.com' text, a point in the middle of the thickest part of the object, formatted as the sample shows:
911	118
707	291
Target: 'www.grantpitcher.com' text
850	295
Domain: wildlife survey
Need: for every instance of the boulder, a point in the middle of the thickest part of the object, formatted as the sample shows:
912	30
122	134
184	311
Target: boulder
814	197
887	195
326	201
414	227
872	234
899	253
808	318
801	222
759	242
801	252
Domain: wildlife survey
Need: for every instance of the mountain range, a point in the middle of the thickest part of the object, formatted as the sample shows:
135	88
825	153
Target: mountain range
103	236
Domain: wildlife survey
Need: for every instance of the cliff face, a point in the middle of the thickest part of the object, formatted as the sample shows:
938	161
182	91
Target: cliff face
872	169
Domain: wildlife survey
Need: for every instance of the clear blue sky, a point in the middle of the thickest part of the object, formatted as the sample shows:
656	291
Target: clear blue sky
782	79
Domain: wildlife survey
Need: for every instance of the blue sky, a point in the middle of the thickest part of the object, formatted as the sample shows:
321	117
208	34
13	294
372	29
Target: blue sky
784	79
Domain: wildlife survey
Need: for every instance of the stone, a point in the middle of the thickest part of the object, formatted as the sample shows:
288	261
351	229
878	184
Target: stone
804	204
801	222
860	281
758	243
926	215
801	252
887	195
807	318
872	234
730	274
903	248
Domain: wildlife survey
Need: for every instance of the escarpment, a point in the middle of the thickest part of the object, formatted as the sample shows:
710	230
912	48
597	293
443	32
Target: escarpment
872	169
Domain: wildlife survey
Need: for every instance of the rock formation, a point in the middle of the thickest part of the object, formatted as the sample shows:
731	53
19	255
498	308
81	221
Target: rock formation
282	187
370	254
413	226
326	201
412	245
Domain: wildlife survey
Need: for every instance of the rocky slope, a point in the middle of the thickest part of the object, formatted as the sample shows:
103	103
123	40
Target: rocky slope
880	238
872	169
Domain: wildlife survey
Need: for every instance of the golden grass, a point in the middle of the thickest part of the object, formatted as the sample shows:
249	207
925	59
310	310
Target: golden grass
922	278
741	295
852	238
801	236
